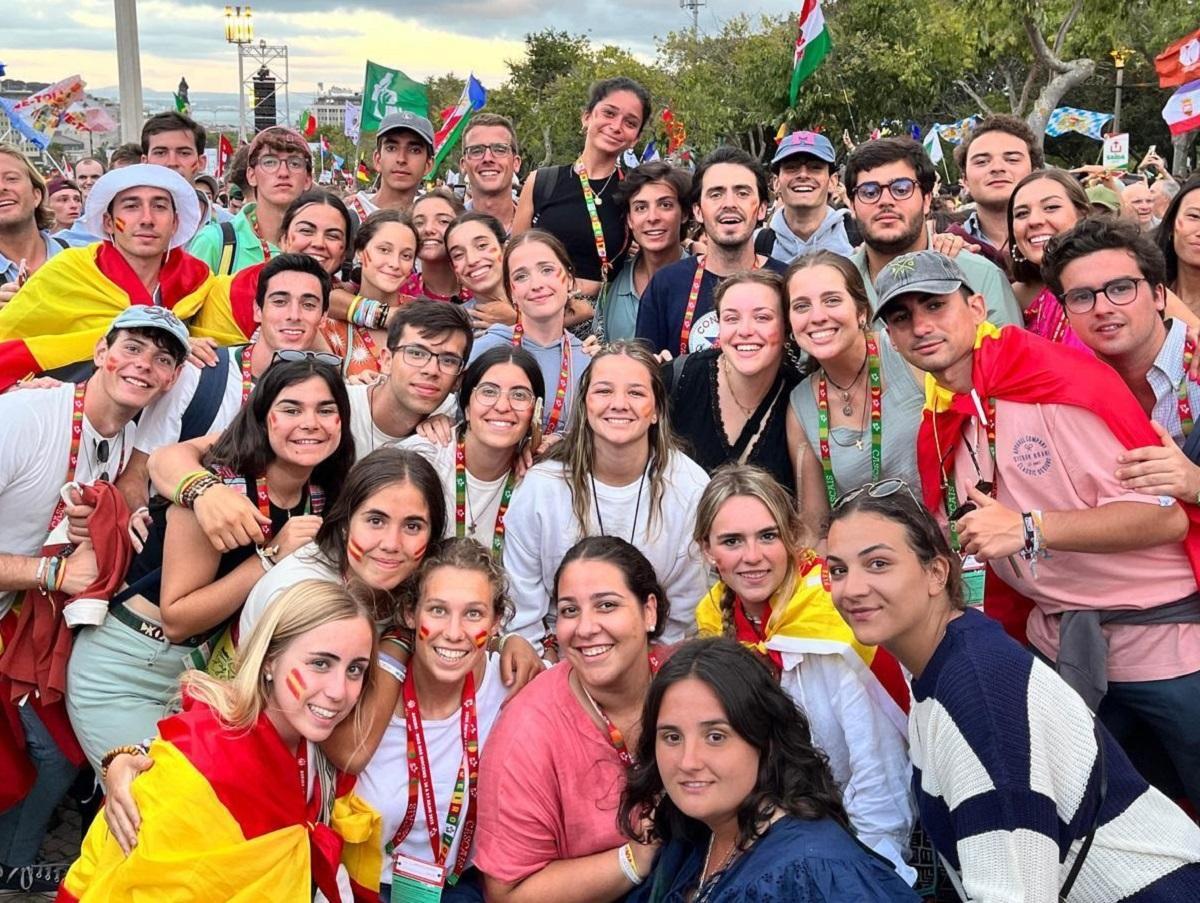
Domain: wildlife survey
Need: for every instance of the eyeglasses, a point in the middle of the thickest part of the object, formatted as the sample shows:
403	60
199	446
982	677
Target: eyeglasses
290	355
270	164
499	150
870	192
880	490
419	355
519	398
1119	291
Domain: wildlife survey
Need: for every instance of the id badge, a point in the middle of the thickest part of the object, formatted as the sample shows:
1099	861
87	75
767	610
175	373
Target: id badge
974	573
416	881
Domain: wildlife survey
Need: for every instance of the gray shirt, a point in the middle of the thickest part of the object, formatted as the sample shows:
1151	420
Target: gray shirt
903	399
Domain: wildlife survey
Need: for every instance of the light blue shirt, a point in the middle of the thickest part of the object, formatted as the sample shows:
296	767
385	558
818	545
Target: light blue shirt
9	269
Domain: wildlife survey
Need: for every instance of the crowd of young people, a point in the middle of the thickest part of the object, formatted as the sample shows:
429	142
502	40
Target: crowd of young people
644	535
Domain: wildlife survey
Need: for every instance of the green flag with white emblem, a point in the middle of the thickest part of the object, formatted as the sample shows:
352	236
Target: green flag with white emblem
388	91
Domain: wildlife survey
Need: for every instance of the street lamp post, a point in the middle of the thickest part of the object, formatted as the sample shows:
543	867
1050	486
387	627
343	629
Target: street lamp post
239	30
1119	57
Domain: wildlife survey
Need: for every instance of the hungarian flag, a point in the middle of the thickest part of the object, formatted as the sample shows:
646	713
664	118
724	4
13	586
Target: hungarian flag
310	124
1182	112
808	624
60	313
455	119
1180	62
812	45
223	807
224	154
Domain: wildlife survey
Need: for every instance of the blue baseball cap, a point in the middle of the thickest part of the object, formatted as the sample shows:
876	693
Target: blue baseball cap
813	144
144	316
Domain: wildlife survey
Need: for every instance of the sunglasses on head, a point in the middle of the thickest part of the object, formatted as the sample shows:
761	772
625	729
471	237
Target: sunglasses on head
880	490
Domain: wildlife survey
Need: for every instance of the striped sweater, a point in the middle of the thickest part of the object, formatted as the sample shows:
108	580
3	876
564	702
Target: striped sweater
1007	780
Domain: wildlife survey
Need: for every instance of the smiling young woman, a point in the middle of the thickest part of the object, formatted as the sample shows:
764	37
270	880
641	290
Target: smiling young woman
729	780
996	733
475	245
854	418
432	214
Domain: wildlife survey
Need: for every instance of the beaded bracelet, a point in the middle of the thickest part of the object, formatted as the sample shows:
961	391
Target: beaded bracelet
185	483
197	488
120	751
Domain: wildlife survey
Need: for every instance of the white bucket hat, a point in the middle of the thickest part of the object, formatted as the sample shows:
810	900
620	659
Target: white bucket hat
109	185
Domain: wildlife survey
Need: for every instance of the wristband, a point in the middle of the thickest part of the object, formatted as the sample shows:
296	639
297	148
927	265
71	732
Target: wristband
400	641
40	578
629	865
391	665
266	554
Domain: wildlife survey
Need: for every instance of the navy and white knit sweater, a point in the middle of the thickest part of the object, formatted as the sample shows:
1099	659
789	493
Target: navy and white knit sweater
1007	780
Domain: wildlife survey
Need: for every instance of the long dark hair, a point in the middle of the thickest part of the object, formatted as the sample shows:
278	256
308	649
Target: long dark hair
381	468
501	354
1165	234
245	448
1024	270
635	568
793	775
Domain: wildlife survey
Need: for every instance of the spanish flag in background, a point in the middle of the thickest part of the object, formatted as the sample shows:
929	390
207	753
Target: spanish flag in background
223	818
68	304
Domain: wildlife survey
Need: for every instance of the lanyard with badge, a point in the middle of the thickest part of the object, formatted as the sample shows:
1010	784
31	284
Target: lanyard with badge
1183	402
416	880
564	376
591	202
974	571
875	384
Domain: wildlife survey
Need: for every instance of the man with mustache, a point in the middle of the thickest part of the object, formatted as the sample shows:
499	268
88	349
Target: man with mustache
729	199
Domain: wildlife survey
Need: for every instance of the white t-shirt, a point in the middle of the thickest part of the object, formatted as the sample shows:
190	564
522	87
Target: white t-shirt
540	527
35	444
306	563
483	496
367	436
162	421
384	782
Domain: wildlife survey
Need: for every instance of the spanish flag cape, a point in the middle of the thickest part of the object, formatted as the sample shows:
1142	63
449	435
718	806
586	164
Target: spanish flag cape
1011	364
230	306
808	624
223	818
68	304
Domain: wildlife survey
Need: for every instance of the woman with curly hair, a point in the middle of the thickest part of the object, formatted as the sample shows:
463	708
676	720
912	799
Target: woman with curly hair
727	778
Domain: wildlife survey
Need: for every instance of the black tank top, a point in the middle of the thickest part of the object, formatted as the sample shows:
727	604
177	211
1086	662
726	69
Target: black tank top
564	214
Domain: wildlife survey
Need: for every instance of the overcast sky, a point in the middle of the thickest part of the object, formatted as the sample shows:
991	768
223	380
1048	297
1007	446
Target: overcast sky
49	39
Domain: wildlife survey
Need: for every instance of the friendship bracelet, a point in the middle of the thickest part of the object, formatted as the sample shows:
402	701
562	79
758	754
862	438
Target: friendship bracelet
185	482
40	578
197	488
629	865
400	641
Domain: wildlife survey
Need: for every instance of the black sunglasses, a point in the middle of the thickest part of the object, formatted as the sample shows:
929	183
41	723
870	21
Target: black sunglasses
321	357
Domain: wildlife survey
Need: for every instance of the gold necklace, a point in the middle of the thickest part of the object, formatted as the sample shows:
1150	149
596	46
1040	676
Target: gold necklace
749	412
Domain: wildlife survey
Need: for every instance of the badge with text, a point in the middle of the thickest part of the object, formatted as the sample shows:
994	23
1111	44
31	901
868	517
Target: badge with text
974	573
416	881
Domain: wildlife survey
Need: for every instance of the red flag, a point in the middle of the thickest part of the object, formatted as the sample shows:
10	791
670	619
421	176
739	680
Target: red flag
310	125
1180	62
224	155
325	144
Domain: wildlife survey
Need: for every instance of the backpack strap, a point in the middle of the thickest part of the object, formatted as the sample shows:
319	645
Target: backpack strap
61	242
764	241
228	250
198	417
543	186
673	373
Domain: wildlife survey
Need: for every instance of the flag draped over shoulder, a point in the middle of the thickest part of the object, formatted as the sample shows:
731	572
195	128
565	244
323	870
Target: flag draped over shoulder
807	623
455	119
223	808
812	45
68	304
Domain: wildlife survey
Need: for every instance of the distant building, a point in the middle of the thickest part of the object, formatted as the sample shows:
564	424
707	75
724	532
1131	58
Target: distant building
330	106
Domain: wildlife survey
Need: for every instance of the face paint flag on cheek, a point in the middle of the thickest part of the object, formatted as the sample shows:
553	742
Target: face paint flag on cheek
354	550
481	639
423	633
295	683
119	224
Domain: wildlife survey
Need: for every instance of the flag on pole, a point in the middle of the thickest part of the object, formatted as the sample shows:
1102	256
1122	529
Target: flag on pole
1179	62
339	163
933	146
630	158
350	128
650	152
309	123
454	120
362	173
1182	112
389	91
224	154
812	45
954	132
182	106
1073	119
37	116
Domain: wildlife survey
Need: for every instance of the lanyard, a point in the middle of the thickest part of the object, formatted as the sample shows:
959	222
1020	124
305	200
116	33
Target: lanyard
950	492
564	375
247	376
689	312
460	499
252	219
314	502
420	781
589	199
73	454
876	394
615	737
1185	406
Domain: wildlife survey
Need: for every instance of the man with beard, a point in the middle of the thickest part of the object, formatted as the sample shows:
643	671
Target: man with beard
489	160
729	199
890	184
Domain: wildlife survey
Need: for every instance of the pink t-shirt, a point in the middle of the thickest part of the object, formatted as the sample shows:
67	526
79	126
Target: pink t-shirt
1063	458
549	783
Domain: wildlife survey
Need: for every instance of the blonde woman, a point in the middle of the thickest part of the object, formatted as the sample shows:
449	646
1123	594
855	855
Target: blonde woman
770	597
240	803
618	472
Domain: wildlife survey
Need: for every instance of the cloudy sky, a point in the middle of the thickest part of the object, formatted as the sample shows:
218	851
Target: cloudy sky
328	42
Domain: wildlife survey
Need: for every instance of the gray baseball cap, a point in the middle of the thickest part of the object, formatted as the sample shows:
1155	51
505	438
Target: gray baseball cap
917	273
144	316
404	120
